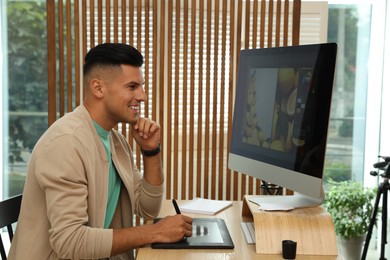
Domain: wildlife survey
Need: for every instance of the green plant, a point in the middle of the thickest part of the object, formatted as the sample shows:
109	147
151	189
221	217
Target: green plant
336	171
351	206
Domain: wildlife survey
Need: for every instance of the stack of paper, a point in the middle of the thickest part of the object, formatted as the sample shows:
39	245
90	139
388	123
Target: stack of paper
205	206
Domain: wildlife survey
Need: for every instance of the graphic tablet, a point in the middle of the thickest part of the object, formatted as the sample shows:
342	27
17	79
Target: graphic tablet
207	233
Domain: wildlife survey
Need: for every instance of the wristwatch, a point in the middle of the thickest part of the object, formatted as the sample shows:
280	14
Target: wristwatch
149	153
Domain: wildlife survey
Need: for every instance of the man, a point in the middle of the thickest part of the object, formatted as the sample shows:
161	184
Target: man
82	185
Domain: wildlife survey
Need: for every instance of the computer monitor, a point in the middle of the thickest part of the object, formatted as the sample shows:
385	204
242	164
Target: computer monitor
281	116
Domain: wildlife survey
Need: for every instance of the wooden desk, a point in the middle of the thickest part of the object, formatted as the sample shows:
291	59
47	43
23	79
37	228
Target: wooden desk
233	217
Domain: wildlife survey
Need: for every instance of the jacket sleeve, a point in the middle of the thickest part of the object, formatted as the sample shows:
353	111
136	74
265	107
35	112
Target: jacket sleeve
145	198
60	170
149	199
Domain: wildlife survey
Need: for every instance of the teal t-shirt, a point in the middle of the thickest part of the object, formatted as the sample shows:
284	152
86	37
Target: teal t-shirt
114	182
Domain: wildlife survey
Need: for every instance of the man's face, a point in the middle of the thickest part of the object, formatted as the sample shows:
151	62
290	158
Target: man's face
123	94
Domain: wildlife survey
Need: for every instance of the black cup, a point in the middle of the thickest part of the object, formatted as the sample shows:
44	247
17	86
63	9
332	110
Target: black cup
289	249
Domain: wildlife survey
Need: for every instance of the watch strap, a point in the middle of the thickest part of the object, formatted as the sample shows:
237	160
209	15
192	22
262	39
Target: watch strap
149	153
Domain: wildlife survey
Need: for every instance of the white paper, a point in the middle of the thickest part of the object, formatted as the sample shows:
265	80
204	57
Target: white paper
275	206
205	206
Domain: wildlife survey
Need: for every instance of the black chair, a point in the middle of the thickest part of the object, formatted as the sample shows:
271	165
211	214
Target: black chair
9	213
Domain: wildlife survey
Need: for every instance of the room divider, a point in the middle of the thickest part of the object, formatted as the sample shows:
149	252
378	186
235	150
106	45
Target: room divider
191	51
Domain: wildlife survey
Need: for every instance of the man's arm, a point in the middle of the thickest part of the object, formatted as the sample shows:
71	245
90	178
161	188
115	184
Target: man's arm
147	135
153	171
167	230
149	190
170	229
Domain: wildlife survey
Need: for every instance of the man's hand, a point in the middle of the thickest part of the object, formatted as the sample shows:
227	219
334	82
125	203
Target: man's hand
173	228
168	230
146	133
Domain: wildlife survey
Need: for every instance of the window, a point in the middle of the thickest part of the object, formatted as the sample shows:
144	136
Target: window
349	26
24	85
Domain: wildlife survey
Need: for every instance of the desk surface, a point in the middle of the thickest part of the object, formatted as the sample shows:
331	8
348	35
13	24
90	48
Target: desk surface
233	217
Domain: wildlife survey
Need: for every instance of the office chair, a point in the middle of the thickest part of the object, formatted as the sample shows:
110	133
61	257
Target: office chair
9	213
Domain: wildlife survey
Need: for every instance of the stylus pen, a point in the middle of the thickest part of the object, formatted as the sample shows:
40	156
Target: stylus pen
176	206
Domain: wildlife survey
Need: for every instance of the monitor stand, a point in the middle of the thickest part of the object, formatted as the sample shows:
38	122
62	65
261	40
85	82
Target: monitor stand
295	201
311	227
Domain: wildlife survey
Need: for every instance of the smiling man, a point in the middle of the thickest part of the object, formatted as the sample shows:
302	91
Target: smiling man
83	186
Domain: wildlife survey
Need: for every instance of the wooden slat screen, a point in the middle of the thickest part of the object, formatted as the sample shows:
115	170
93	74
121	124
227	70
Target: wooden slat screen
191	50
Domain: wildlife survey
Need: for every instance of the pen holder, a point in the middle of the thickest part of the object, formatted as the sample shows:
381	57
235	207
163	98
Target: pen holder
289	249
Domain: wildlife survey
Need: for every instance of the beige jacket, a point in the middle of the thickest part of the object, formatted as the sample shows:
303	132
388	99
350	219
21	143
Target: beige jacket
65	195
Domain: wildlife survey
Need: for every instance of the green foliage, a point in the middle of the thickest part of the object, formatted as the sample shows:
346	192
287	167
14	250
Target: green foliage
346	129
351	206
27	56
337	171
15	184
27	75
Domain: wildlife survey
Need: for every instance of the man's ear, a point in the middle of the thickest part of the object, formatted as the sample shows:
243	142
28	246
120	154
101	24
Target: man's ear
96	87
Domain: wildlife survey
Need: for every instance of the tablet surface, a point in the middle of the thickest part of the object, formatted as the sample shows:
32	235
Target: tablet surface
207	233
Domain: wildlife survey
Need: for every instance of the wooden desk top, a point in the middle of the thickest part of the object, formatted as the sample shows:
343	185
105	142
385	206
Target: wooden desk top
233	217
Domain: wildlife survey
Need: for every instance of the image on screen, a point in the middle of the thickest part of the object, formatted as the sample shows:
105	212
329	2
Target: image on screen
287	126
283	128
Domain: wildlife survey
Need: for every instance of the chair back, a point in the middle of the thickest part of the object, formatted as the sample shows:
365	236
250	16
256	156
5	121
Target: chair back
9	213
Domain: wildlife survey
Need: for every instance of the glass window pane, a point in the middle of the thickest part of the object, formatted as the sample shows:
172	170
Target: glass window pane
26	113
349	26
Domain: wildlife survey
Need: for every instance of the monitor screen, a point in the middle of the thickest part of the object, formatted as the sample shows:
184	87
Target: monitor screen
281	115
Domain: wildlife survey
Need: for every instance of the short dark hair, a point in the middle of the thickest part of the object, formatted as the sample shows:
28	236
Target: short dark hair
112	54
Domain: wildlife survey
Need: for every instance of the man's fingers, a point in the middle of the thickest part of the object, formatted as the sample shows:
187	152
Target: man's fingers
176	227
188	230
146	127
